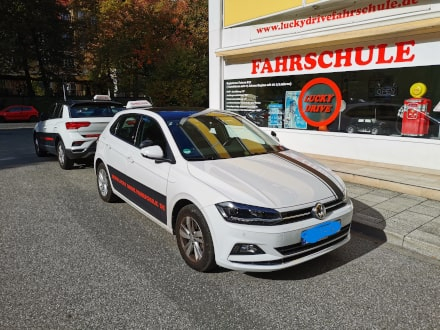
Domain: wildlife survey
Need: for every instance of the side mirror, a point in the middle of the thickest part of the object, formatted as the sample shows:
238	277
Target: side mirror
152	152
274	135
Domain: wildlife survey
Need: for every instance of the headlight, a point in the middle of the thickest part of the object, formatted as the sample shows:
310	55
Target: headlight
247	214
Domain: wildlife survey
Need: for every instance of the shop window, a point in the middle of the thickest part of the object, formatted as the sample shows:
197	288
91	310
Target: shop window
374	99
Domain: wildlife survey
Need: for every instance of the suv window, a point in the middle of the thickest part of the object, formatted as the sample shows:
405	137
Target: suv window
57	110
363	111
386	112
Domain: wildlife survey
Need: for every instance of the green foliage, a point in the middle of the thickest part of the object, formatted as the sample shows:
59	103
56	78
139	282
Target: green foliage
157	48
133	48
33	40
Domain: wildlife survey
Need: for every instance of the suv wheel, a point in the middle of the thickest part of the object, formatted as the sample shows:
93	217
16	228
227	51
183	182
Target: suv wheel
38	151
375	130
350	129
65	162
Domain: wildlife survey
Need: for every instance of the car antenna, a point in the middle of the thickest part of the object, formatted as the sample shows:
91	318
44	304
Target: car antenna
64	92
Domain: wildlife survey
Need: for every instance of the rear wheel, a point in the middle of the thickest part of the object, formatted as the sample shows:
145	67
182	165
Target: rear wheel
194	239
38	151
65	162
350	129
104	186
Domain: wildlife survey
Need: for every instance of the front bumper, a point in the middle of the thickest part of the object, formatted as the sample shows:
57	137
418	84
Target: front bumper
281	245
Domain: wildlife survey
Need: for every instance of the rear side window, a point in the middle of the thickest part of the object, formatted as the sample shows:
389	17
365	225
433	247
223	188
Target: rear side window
125	128
363	111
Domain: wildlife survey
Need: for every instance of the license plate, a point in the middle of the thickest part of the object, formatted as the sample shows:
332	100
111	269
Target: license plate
319	232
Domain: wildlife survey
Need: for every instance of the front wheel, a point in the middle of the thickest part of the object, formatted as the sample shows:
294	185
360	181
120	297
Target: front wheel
104	185
194	239
65	162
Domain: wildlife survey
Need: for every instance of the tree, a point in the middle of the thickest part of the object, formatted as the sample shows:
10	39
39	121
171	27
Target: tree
34	41
154	47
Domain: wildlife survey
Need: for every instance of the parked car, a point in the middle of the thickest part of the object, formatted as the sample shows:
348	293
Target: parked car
19	113
72	129
231	194
368	125
370	117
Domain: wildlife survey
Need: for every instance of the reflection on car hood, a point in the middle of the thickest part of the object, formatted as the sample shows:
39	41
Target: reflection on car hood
281	180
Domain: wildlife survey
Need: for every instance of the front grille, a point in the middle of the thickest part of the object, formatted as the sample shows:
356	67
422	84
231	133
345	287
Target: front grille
300	251
306	213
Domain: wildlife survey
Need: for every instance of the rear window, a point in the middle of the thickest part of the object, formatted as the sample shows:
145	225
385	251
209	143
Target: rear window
94	110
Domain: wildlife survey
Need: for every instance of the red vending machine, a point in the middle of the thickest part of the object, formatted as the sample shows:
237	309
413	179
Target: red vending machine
415	120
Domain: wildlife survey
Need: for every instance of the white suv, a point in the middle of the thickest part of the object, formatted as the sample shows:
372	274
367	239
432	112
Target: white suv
72	129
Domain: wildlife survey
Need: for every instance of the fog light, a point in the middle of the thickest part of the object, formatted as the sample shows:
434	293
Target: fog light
246	249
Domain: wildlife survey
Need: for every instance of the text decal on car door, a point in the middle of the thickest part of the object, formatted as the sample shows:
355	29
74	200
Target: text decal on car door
149	200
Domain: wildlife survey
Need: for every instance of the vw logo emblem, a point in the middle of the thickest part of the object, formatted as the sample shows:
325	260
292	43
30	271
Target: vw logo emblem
319	211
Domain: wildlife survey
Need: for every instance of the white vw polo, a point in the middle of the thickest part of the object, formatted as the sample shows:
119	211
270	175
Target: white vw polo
232	195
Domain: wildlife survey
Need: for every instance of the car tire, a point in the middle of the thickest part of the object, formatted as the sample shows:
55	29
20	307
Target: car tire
194	239
104	186
375	131
38	151
351	129
65	162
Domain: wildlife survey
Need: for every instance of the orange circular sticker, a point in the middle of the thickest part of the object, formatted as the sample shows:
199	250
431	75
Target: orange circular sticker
319	102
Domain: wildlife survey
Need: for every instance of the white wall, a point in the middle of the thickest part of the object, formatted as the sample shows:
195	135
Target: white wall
406	151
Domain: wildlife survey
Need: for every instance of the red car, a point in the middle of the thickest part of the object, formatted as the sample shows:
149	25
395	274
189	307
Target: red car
19	113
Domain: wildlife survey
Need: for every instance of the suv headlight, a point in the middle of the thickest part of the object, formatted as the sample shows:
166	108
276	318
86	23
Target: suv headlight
248	214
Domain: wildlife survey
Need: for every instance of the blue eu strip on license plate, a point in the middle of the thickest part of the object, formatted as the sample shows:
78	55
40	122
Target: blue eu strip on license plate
319	232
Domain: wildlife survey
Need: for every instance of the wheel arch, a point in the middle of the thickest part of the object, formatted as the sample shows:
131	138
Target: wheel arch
176	209
97	162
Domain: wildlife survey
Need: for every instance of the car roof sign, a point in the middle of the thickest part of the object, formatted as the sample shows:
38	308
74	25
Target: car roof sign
138	104
101	98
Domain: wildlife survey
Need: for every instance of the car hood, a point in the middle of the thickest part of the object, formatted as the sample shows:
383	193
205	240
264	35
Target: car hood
279	180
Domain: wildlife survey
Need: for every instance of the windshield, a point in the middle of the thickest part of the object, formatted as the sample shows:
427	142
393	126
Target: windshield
217	134
94	110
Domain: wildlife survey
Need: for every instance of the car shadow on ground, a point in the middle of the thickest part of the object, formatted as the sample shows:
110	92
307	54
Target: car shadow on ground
364	239
21	151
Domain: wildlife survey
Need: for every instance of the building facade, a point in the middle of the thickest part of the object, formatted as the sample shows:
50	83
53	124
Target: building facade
349	79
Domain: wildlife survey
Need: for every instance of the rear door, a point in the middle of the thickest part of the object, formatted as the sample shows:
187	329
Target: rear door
117	150
47	130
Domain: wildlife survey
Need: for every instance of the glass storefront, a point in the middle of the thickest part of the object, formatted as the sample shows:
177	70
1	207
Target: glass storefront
374	101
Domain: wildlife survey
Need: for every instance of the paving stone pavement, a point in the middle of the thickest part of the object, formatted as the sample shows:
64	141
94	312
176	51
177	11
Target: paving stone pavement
406	220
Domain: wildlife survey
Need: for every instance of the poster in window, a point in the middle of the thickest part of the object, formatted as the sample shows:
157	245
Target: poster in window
292	117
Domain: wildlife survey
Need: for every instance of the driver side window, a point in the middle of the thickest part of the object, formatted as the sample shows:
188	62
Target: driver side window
150	133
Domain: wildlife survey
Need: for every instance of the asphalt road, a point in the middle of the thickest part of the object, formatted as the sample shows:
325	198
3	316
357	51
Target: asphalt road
70	261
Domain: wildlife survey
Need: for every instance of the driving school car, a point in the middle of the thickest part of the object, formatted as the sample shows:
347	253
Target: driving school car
72	129
231	194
